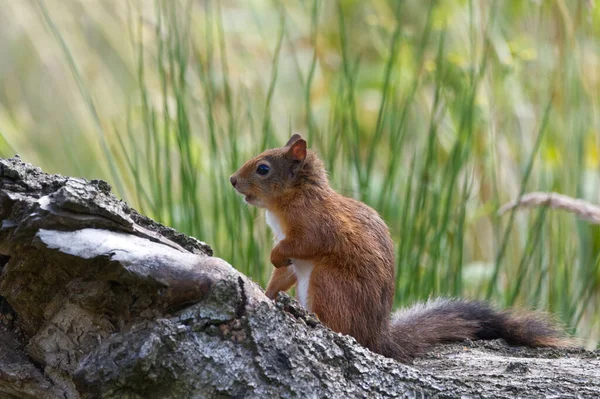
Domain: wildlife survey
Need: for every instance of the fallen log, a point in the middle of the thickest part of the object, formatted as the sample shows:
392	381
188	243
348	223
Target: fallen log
98	301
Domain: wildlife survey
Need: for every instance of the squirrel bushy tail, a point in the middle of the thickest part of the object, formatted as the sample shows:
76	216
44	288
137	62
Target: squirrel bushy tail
415	329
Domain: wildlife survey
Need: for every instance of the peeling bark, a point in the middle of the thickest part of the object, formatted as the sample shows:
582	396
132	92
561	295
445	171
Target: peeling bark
98	301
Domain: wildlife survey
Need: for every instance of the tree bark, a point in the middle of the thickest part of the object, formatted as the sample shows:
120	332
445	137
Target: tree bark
98	301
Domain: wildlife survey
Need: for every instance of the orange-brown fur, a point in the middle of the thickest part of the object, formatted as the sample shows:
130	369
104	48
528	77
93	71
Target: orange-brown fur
352	283
282	279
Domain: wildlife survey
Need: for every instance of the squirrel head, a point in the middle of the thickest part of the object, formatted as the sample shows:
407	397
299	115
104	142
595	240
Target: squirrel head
277	175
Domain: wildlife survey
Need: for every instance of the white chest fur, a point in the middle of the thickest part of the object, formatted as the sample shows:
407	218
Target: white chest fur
302	268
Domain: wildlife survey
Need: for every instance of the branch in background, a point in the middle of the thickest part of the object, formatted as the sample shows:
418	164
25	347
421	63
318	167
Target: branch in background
585	210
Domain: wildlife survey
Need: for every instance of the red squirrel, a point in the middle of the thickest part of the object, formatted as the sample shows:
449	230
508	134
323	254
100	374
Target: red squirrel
340	255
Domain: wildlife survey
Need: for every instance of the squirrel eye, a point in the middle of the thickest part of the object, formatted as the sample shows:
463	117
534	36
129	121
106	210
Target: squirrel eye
263	170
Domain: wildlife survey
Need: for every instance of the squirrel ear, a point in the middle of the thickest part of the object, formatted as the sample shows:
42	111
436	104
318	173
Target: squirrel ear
298	150
293	139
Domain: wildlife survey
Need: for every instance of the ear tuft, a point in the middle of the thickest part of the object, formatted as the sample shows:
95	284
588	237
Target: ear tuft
293	139
298	150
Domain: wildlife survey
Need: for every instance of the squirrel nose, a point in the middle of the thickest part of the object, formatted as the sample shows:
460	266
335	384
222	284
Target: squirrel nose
233	180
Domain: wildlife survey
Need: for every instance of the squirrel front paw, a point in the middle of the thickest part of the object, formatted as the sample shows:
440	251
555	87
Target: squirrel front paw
279	261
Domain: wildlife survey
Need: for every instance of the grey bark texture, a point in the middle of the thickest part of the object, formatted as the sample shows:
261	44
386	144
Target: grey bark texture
98	301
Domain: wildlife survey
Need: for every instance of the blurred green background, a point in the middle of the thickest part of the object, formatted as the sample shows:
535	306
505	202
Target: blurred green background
434	113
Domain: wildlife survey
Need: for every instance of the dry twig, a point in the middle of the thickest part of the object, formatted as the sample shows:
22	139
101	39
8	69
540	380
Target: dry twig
585	210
